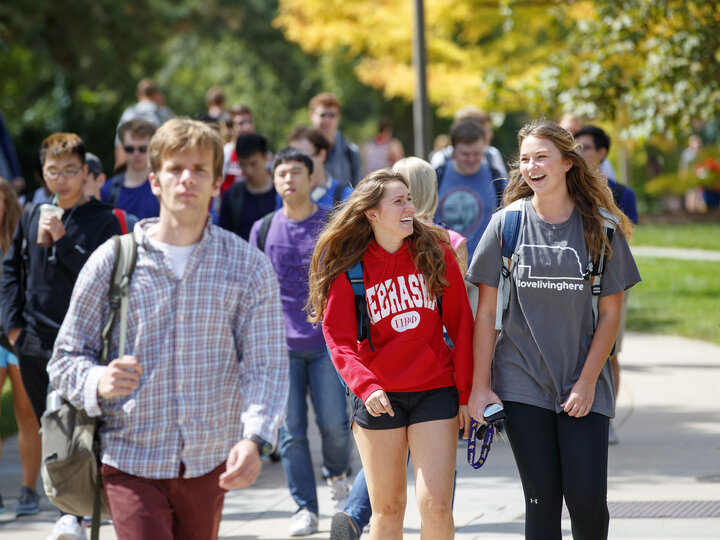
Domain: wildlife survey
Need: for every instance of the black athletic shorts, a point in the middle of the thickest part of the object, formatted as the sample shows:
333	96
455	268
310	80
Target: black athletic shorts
409	408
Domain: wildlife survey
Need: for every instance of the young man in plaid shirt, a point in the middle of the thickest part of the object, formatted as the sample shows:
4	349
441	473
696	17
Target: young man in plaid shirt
201	390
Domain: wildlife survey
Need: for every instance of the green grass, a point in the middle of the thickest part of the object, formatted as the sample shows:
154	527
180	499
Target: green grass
7	418
676	297
691	235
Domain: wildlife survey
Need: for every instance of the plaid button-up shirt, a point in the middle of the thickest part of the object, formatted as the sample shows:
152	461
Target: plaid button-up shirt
211	345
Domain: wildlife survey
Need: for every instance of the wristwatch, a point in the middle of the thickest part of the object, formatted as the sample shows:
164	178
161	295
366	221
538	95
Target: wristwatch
264	447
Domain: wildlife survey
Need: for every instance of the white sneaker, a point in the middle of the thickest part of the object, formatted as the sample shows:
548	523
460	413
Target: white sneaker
304	522
339	490
67	528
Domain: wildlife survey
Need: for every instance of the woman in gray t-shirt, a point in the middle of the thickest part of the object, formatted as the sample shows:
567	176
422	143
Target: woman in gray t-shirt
548	366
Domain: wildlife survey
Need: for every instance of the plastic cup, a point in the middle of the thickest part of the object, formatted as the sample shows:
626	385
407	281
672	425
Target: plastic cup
43	237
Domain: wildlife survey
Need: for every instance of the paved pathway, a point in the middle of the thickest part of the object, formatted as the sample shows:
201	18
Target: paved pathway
664	476
676	253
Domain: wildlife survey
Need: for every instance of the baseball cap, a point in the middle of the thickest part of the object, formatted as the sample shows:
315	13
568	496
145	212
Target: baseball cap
93	163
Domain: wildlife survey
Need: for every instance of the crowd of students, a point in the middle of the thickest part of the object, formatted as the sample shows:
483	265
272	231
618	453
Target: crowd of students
388	280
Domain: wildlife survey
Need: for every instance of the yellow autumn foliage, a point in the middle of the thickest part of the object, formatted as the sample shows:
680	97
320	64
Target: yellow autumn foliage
468	43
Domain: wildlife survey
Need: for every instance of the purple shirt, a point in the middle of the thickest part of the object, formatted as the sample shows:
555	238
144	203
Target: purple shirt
289	246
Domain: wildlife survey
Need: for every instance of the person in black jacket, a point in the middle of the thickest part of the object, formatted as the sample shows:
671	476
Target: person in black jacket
37	281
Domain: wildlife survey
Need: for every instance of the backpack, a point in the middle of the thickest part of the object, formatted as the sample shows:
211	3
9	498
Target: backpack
264	228
70	442
237	199
337	194
512	223
354	275
115	186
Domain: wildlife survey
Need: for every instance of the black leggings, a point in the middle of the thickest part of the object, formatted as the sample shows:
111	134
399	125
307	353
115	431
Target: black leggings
561	456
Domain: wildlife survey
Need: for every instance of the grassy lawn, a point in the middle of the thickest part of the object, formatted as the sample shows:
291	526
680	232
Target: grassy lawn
691	235
677	297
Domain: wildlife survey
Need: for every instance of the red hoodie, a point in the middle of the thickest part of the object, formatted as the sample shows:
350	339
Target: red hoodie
406	331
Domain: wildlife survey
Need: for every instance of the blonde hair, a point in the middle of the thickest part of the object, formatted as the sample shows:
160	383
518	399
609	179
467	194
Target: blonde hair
183	135
588	190
423	185
346	237
10	219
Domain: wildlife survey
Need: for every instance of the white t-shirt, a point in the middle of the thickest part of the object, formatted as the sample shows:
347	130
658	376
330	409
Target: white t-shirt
177	255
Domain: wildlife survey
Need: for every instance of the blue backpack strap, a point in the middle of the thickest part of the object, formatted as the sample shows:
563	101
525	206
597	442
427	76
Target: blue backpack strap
338	195
355	277
511	223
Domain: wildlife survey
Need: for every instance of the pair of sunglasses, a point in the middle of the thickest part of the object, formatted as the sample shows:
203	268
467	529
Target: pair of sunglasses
495	416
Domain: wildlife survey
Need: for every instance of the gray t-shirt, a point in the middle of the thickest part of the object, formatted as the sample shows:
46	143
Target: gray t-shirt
548	325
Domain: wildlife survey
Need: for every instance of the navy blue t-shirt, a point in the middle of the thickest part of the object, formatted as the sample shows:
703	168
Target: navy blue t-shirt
254	206
139	201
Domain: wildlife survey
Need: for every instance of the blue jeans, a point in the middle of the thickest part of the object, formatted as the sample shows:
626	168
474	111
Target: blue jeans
358	503
313	370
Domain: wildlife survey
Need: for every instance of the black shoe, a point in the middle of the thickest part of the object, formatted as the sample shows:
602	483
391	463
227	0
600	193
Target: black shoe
28	502
343	527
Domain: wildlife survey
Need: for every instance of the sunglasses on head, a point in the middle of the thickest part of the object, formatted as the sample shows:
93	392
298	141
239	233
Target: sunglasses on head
129	149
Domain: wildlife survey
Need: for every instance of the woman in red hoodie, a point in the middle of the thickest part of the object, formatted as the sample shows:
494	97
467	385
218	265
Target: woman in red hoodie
410	389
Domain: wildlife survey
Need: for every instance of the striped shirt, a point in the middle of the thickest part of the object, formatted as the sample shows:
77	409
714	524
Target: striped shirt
211	345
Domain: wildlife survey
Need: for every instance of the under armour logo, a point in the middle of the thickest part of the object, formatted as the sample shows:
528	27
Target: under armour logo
533	501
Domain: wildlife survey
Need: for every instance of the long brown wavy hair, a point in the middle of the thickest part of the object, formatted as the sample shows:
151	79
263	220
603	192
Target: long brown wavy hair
347	235
13	210
588	190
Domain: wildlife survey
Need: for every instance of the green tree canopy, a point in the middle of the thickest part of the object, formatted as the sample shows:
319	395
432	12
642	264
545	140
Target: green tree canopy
649	66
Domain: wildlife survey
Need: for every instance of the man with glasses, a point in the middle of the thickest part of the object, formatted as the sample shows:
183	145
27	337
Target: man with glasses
37	281
130	190
344	157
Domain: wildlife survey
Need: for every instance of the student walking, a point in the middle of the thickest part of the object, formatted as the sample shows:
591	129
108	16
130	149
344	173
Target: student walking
51	244
201	390
28	438
287	236
350	522
549	363
410	388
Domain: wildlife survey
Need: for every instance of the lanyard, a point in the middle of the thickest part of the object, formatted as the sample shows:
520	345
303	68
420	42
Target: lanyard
486	432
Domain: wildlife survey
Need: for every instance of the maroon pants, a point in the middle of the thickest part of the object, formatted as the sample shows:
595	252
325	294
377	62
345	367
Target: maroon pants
175	508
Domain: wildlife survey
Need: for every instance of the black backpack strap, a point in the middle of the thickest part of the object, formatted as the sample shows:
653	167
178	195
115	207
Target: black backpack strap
264	228
440	173
354	275
497	180
237	199
27	217
115	187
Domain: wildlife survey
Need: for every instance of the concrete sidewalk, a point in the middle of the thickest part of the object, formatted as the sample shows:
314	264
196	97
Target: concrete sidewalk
664	477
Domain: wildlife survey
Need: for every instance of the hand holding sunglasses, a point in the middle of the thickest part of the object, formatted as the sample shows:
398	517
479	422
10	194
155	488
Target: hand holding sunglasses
494	415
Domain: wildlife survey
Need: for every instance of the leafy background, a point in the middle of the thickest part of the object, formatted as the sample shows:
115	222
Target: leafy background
648	72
